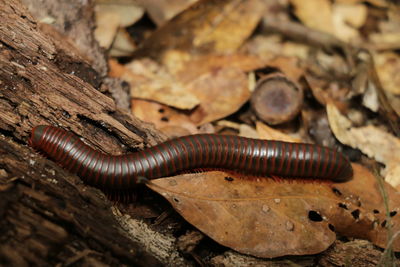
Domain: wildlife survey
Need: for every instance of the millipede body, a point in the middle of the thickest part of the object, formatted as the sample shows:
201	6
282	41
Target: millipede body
252	156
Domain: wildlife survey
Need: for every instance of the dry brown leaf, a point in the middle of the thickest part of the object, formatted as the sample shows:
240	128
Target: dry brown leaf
379	3
388	38
221	93
306	11
371	140
366	204
269	133
266	218
161	11
317	88
388	69
288	65
170	121
264	46
200	65
149	80
385	41
206	27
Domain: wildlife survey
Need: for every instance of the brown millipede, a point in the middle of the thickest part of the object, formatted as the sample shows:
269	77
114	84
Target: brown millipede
252	156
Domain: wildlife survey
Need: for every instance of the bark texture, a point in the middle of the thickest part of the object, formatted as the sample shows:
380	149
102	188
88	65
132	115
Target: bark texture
47	215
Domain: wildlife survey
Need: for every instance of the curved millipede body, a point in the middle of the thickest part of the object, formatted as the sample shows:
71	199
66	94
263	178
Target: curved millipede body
252	156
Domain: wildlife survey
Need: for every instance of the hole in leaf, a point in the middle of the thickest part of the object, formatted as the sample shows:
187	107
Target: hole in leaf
228	178
376	211
331	227
314	216
161	110
356	214
393	213
164	119
343	206
336	191
176	200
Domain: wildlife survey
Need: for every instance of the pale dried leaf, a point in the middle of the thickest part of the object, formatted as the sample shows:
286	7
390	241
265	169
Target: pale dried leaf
247	131
370	98
123	44
111	16
107	26
269	133
306	11
388	69
150	81
379	3
161	11
128	13
347	18
371	140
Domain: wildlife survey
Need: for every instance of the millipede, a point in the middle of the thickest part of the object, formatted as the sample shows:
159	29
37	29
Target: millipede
246	155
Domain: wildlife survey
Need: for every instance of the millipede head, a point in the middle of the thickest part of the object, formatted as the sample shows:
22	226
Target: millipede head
142	180
36	136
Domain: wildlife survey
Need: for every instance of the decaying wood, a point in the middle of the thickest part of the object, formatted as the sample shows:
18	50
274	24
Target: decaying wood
276	99
40	87
48	216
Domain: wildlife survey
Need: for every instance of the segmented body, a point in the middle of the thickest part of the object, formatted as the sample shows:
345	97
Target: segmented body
252	156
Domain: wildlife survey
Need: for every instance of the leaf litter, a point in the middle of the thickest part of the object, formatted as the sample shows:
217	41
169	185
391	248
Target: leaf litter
201	81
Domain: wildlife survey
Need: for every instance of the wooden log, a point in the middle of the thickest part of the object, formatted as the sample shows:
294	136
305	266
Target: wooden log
48	216
276	99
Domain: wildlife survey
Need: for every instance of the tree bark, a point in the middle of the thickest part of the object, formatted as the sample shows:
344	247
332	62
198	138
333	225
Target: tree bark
48	216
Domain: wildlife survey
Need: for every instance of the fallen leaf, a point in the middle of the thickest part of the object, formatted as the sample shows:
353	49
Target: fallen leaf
268	218
161	11
247	131
269	133
123	44
306	11
264	46
388	38
206	27
128	12
378	3
371	140
366	205
221	93
288	65
347	19
200	65
149	80
168	120
387	68
111	16
107	27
